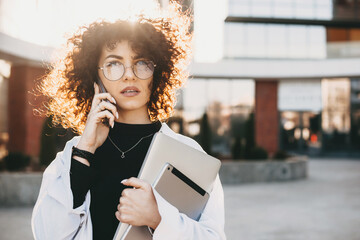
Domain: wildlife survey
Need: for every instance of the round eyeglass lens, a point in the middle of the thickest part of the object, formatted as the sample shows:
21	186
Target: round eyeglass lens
144	69
113	70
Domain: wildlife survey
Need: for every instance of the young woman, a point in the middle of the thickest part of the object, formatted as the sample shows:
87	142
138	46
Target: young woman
116	87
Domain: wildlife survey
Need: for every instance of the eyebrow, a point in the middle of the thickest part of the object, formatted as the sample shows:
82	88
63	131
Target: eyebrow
121	58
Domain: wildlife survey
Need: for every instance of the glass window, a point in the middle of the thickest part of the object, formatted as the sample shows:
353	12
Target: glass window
355	114
336	113
235	40
300	131
304	12
323	11
301	9
239	8
274	41
195	98
277	41
316	40
297	41
255	40
261	8
283	10
227	104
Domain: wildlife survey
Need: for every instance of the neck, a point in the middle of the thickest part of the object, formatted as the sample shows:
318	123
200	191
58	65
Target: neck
133	116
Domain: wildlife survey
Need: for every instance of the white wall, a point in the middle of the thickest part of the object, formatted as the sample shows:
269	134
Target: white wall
261	68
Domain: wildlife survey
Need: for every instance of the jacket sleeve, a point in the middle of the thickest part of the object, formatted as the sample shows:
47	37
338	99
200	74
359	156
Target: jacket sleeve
53	216
177	225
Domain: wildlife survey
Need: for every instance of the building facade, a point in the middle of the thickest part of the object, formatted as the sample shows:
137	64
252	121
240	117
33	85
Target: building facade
279	74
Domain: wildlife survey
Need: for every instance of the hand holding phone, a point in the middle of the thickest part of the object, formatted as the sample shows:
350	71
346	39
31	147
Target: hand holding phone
101	116
105	121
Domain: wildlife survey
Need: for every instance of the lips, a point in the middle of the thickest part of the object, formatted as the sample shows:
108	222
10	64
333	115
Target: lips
130	91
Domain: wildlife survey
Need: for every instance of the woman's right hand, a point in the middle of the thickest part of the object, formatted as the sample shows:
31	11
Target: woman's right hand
96	131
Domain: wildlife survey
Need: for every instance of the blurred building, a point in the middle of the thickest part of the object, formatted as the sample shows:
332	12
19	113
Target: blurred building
294	63
284	74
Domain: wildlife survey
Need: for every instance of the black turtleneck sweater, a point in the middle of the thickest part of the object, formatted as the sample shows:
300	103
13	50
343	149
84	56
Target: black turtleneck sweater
104	175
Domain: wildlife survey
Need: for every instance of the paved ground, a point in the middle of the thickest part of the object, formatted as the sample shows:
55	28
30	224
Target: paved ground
326	206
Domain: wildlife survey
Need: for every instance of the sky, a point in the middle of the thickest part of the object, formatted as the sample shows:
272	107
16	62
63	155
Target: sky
49	22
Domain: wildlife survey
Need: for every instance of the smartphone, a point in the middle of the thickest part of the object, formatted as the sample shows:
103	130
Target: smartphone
105	121
101	86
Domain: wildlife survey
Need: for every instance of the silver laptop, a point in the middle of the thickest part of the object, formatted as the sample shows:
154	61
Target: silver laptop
196	165
180	191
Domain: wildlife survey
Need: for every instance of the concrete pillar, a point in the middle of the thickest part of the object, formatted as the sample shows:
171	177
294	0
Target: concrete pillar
266	115
23	126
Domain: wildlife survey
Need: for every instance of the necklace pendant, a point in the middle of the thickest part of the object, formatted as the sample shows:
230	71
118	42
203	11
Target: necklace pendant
122	155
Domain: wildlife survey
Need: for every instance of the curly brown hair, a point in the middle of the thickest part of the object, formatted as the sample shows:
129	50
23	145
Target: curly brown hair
69	85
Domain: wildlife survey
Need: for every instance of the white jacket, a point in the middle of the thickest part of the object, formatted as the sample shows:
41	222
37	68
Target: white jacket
54	218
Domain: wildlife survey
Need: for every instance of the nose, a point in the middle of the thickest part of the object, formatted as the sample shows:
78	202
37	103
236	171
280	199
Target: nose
129	74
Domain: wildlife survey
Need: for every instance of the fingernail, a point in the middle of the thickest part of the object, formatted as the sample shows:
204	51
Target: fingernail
114	100
117	115
112	125
123	181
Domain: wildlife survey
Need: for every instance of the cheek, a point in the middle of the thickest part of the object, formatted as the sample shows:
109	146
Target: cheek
150	85
149	88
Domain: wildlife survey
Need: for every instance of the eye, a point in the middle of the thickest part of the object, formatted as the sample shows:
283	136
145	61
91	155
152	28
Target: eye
113	64
144	64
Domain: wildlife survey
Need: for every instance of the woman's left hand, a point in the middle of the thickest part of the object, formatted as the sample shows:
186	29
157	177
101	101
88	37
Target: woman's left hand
138	206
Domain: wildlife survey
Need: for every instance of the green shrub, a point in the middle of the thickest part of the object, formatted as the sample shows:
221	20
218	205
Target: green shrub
281	155
16	161
237	148
2	165
257	153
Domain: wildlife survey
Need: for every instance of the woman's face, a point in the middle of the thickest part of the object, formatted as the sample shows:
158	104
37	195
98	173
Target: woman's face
131	93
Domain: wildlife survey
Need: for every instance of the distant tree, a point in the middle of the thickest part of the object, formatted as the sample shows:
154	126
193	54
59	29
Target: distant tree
205	134
237	148
238	133
249	135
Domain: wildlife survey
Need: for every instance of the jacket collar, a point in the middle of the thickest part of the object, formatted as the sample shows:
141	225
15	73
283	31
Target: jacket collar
167	130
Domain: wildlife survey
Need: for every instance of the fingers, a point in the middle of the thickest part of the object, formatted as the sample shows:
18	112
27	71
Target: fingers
102	105
98	97
103	97
108	106
136	183
124	218
105	114
137	206
120	216
123	210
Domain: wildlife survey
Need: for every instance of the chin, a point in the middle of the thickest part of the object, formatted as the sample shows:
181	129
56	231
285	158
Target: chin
132	106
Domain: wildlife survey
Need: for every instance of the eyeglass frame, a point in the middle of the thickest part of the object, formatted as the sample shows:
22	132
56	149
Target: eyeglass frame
132	68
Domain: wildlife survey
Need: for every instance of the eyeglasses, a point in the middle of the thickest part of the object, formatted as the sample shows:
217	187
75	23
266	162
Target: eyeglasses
115	69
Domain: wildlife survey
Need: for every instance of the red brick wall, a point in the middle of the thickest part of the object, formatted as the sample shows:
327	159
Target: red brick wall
342	34
266	115
24	126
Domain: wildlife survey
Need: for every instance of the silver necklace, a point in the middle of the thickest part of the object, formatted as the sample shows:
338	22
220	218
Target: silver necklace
123	152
